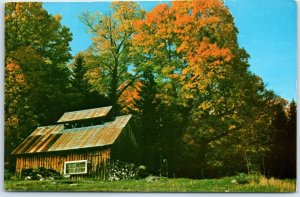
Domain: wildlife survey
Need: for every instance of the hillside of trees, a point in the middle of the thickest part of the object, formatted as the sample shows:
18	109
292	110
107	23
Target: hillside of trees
197	110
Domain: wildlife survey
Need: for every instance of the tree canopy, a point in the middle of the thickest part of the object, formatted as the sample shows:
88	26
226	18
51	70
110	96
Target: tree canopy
109	62
36	77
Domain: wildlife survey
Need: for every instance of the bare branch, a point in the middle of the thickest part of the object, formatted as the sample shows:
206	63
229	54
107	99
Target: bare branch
89	20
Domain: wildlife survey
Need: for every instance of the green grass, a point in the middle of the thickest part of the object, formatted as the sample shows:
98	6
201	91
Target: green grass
162	185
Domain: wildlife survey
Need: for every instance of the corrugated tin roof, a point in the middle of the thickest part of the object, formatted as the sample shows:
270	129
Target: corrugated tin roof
56	138
39	139
84	114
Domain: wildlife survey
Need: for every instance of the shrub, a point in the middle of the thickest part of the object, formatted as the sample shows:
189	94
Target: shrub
119	170
9	169
254	178
243	178
7	174
40	174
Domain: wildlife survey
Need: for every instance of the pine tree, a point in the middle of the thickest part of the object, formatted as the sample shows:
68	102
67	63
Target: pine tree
148	118
292	140
83	95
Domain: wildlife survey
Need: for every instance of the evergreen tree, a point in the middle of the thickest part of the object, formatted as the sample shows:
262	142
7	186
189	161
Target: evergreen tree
83	95
281	160
148	118
292	140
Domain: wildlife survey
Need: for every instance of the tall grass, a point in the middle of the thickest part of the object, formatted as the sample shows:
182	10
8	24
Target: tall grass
282	185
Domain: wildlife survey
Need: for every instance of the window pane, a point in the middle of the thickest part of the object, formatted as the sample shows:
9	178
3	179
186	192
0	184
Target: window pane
81	165
76	167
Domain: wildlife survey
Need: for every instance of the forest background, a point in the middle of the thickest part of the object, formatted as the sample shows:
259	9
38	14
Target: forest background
177	68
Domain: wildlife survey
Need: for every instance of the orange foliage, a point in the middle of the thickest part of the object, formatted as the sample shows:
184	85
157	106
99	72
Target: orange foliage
201	32
15	86
14	79
129	96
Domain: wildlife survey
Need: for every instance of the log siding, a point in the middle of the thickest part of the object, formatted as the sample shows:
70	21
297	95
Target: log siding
97	162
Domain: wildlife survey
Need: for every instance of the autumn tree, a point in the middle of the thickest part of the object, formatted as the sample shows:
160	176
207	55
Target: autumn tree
111	68
192	48
36	49
17	113
37	42
29	25
184	42
173	41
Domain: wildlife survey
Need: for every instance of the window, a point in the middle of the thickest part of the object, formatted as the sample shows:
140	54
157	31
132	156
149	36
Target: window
76	167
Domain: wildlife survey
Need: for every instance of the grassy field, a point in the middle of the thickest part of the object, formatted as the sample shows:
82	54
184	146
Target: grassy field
161	185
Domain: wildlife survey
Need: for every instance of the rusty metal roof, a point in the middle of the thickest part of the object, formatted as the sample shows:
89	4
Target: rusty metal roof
85	114
39	139
56	138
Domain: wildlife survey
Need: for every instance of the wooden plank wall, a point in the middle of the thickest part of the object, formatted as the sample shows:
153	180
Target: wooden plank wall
98	160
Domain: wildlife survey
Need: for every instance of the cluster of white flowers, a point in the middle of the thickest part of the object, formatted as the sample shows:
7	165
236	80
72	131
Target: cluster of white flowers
122	171
38	177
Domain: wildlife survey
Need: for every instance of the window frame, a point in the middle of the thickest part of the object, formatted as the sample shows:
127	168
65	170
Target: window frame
76	161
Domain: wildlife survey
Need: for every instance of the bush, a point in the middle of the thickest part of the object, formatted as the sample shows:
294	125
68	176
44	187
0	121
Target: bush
9	170
254	178
243	178
40	174
119	170
7	174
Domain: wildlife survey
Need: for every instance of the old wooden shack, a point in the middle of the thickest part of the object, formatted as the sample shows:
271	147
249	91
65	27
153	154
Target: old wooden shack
80	145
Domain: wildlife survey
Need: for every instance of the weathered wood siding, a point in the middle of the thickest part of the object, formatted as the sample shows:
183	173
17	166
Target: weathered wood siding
98	160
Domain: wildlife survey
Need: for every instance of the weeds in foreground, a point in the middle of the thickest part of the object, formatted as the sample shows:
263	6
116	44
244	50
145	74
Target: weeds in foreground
283	185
